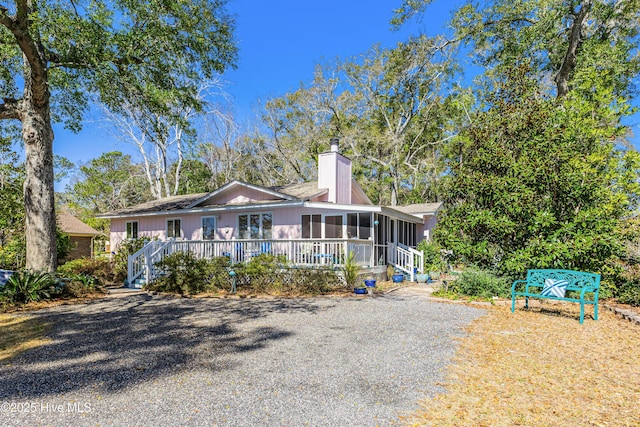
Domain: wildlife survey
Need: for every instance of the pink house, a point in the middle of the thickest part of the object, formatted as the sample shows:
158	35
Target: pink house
313	223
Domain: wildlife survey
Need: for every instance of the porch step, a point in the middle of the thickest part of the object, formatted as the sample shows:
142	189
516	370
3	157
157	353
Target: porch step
138	283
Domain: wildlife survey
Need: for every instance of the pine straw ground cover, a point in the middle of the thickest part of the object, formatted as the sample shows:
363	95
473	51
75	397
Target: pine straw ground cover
540	367
18	334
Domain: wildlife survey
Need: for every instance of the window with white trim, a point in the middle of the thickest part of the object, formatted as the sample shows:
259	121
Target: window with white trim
359	225
311	226
174	228
132	229
255	226
209	228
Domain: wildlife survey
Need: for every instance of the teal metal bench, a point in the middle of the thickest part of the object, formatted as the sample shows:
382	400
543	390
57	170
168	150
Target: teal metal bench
572	281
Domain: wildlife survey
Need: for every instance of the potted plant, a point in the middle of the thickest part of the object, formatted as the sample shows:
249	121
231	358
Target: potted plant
350	271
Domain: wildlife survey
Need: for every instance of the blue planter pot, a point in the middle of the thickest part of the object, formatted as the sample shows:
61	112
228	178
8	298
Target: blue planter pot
370	283
360	291
397	278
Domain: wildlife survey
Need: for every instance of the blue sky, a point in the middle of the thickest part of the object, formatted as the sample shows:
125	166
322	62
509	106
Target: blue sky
280	43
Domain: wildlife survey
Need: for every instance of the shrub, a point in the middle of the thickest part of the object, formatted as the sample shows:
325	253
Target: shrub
80	285
182	273
27	286
628	291
432	257
100	268
481	283
262	274
305	281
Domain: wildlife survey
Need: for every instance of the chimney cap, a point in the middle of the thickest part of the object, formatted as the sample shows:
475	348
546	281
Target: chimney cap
334	144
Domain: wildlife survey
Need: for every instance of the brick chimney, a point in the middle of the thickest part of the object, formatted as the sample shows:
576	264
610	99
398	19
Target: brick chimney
334	173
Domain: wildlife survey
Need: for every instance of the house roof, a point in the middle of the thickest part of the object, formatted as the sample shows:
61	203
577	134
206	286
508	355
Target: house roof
172	203
303	191
419	209
71	225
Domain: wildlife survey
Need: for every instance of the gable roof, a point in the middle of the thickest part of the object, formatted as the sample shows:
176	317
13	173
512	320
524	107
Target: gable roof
172	203
230	186
71	225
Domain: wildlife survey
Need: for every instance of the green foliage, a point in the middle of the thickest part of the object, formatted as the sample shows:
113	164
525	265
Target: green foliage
432	256
98	268
121	258
262	274
12	206
28	286
533	185
482	284
107	183
80	285
13	254
350	271
183	273
63	244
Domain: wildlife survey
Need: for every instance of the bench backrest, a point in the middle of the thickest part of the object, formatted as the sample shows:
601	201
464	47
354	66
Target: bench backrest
577	279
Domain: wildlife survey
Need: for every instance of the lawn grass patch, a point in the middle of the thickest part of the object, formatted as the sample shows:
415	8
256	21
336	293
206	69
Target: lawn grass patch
18	334
540	367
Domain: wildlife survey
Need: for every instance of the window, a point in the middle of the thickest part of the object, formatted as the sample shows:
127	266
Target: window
173	229
311	226
132	230
333	227
208	228
255	226
359	225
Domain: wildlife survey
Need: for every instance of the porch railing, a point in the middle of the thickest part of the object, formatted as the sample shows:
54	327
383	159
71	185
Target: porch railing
301	252
406	259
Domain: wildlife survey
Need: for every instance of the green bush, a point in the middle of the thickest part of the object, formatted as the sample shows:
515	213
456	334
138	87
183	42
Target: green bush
28	286
99	268
481	283
310	281
80	285
628	291
432	256
182	273
262	274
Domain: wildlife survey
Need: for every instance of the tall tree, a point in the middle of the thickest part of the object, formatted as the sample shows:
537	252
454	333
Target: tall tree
57	55
534	182
562	39
392	109
107	183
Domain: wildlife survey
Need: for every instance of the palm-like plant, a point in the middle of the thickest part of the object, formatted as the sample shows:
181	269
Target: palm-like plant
27	286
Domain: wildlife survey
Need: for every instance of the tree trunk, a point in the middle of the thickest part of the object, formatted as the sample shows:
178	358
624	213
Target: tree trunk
40	217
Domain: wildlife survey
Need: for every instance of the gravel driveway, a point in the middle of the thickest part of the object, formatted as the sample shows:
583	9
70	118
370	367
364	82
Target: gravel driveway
152	360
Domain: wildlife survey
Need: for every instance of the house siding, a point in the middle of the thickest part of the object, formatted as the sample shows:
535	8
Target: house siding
286	224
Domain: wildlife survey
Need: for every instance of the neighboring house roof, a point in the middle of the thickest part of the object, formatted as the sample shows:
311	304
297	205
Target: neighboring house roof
419	209
72	226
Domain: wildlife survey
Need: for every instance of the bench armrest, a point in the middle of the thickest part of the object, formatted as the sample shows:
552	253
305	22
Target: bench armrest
513	287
